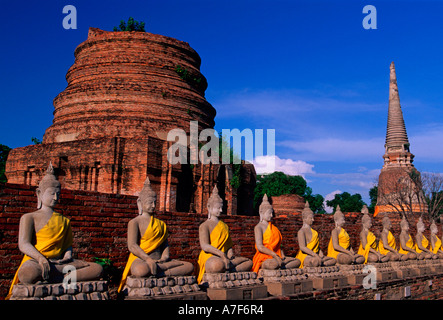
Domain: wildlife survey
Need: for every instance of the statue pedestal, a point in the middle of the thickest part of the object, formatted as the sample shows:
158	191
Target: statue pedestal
285	282
436	265
326	277
169	288
233	286
385	272
355	273
423	267
85	290
405	269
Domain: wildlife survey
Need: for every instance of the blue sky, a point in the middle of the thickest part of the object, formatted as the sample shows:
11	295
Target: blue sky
307	69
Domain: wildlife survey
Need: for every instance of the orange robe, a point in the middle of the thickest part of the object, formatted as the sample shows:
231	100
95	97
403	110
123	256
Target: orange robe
437	245
272	240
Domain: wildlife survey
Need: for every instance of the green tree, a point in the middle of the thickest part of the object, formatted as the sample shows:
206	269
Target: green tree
373	193
132	25
316	201
4	151
347	202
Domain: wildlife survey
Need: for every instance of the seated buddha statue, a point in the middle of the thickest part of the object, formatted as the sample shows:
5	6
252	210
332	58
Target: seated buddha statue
339	246
421	243
268	238
217	254
45	238
407	248
368	241
436	246
387	244
147	241
310	254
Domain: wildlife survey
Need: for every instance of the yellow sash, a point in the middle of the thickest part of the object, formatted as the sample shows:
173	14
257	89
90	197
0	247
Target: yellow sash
51	241
313	245
391	243
221	240
371	242
272	240
156	233
343	240
409	244
424	243
437	245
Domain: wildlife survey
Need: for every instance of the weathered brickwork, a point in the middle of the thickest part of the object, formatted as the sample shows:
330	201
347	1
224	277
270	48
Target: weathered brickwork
288	204
125	92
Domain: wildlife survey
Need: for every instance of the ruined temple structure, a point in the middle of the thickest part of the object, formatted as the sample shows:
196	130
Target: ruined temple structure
125	91
395	185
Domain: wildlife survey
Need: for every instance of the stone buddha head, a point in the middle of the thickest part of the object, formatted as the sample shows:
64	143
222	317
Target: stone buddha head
404	225
215	204
386	222
307	215
366	219
339	217
420	225
265	210
147	198
48	191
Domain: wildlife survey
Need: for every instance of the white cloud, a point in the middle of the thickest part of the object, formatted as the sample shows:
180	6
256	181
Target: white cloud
330	196
269	164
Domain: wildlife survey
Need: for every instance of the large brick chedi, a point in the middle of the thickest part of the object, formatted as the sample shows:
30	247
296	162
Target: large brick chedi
125	91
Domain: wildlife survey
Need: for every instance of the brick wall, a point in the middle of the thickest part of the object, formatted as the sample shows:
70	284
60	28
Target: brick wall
99	223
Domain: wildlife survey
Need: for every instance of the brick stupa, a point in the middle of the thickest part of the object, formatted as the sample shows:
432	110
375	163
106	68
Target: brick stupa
394	185
125	91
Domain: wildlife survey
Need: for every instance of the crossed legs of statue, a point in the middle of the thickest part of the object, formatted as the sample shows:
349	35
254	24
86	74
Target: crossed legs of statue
410	256
343	258
325	261
171	268
31	272
238	264
372	257
288	263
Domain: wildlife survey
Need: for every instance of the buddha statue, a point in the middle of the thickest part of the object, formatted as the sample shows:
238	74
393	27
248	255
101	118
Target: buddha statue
368	241
310	254
339	246
217	254
387	245
268	238
148	243
421	243
407	249
45	238
436	246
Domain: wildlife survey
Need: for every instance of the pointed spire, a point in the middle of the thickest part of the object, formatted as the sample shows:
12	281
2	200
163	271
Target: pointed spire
396	135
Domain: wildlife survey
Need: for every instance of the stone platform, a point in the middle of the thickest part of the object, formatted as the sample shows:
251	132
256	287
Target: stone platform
233	286
326	277
165	288
285	281
355	273
85	290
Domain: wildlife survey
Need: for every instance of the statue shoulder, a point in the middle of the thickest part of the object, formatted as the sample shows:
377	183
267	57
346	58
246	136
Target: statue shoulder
259	227
28	218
